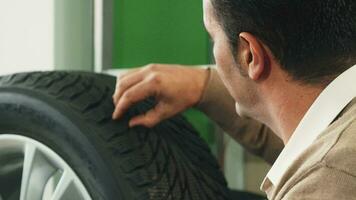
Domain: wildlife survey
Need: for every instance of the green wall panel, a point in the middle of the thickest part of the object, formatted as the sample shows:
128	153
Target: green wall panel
159	31
162	31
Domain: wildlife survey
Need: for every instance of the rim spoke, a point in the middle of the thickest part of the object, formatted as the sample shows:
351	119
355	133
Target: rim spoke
36	172
45	175
28	165
63	186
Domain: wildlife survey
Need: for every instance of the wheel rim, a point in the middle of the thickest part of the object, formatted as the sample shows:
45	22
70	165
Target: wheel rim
37	172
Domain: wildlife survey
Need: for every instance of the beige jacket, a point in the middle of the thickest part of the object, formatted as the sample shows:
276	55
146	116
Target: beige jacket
326	170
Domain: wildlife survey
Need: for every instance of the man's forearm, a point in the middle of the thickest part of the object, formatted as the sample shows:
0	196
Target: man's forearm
218	104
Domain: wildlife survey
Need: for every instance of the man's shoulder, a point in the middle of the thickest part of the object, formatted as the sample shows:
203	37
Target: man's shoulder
331	159
322	182
335	144
342	155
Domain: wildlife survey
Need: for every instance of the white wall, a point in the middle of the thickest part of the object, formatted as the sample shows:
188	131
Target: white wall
26	35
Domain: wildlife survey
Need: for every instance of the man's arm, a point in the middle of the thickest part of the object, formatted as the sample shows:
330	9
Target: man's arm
177	88
218	104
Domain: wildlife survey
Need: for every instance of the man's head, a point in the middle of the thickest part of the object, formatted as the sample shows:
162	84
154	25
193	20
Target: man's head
311	41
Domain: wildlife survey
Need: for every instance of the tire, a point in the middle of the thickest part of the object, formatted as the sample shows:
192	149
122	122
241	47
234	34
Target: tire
70	113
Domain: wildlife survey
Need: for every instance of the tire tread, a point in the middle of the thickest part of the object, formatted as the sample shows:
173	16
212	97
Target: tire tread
165	162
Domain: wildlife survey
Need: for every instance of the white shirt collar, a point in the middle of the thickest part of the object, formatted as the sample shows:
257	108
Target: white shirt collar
321	114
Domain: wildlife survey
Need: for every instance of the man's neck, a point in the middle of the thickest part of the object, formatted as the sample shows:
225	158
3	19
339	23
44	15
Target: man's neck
287	106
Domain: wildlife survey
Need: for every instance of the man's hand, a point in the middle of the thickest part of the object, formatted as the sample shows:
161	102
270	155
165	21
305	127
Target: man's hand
175	88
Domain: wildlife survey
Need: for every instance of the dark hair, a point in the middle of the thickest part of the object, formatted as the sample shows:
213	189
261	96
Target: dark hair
314	40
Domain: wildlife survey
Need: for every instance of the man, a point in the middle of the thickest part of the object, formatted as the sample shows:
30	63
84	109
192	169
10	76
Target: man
286	64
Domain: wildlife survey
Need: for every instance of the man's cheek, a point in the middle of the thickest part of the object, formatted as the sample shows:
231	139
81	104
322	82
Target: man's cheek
221	61
226	79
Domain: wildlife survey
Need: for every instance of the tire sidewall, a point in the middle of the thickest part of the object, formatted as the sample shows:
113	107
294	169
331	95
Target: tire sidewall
51	123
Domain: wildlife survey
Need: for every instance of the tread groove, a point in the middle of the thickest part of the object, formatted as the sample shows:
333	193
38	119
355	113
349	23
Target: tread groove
70	84
97	103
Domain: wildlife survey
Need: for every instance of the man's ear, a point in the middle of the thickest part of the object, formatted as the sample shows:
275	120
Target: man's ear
252	54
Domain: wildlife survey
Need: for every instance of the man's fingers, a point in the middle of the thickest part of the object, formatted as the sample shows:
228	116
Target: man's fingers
133	95
125	82
151	118
130	78
128	72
